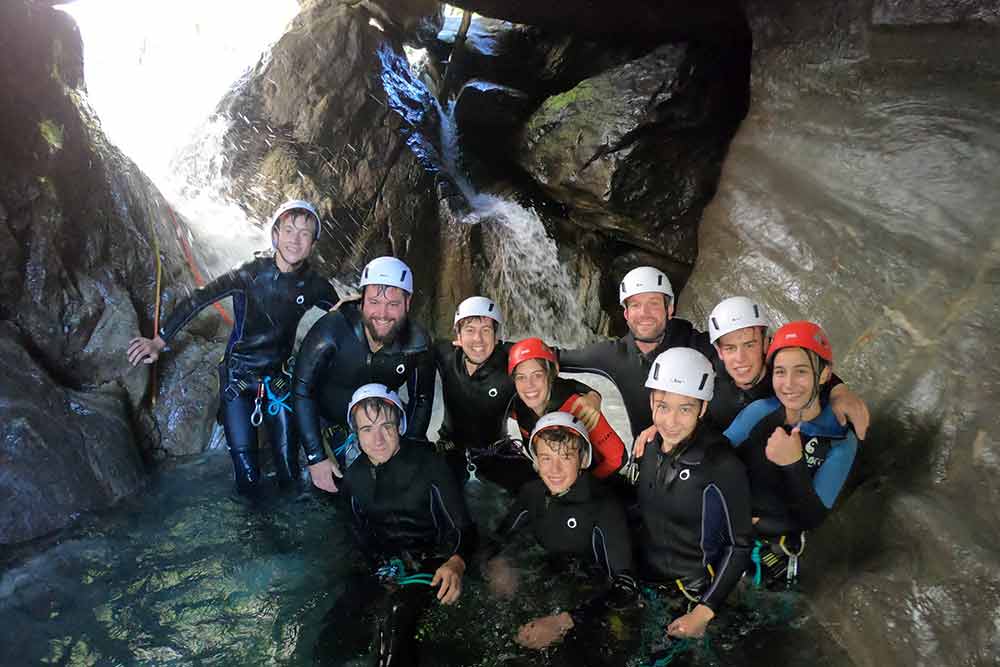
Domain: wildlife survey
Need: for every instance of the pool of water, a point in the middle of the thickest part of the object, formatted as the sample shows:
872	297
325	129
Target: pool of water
188	573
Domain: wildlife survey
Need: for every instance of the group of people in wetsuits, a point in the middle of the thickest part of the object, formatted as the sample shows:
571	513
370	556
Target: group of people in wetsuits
742	440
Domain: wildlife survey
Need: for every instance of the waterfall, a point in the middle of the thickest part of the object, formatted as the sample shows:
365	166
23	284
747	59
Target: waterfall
523	272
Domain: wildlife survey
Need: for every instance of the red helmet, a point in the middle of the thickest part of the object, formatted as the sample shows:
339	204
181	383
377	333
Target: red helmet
529	348
802	334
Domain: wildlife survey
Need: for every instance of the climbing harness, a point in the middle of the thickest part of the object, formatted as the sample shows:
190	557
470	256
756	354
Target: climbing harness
764	556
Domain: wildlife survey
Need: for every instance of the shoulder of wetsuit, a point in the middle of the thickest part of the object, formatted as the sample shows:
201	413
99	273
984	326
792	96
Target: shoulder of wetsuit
749	417
260	264
532	494
416	339
825	425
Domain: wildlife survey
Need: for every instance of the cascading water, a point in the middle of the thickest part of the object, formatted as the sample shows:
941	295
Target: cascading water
523	272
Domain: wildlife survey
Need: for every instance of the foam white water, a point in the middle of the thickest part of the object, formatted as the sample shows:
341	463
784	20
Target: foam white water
155	72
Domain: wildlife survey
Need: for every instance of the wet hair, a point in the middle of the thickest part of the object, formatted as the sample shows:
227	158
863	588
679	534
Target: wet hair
292	214
460	323
560	440
374	407
380	290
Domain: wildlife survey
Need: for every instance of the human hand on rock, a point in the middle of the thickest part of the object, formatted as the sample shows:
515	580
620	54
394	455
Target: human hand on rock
783	448
146	350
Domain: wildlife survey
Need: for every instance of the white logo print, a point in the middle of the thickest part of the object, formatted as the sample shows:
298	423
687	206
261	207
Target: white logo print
401	369
685	474
571	522
493	392
300	299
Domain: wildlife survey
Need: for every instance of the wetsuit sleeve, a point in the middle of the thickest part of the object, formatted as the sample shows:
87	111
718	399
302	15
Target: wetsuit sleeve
420	388
726	529
595	358
811	497
749	417
318	348
458	533
225	285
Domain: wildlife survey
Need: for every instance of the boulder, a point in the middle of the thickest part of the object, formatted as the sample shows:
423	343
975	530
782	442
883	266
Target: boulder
624	21
860	192
484	107
334	115
635	151
80	232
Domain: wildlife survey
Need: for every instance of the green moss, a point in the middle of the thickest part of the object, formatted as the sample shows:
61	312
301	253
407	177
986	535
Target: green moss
582	93
52	132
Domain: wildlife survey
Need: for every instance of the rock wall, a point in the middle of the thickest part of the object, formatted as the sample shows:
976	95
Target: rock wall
77	222
860	191
333	115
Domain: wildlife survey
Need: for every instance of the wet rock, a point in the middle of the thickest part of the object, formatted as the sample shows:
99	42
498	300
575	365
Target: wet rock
623	20
536	61
335	116
860	193
485	107
635	151
79	225
62	452
919	12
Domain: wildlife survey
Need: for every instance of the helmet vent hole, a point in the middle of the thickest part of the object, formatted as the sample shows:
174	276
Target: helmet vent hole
756	312
715	324
704	379
656	371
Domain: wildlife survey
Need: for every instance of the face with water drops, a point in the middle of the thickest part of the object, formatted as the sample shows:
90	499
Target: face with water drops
646	315
378	429
477	337
531	380
383	311
293	236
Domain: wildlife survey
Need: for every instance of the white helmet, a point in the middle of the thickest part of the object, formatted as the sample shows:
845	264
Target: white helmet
644	279
375	390
300	205
681	370
561	420
478	306
388	271
735	313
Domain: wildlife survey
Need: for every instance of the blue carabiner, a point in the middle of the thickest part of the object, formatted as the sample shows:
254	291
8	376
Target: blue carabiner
275	403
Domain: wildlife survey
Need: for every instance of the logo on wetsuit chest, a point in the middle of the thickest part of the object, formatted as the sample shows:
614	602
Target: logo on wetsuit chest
571	522
401	369
300	299
493	392
815	453
684	475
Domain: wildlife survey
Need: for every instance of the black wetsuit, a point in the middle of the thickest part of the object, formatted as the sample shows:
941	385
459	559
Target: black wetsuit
334	360
695	506
410	517
586	524
267	307
622	362
475	417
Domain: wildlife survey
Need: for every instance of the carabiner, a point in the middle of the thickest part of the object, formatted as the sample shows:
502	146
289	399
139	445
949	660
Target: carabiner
258	415
470	468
